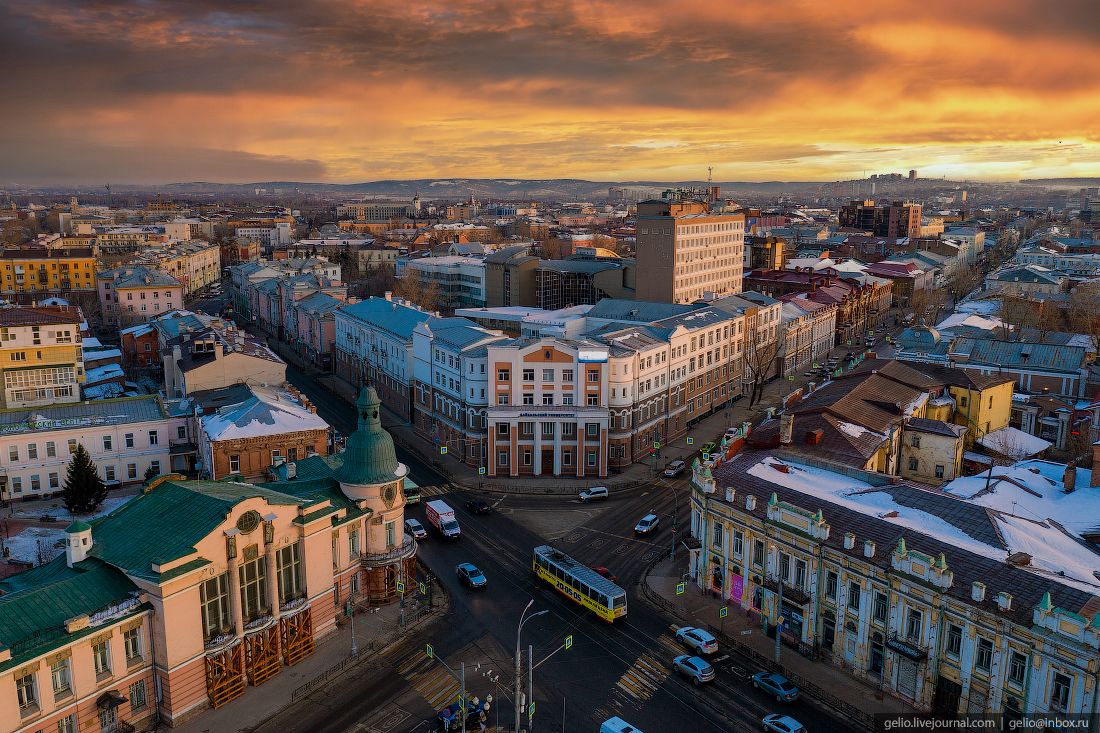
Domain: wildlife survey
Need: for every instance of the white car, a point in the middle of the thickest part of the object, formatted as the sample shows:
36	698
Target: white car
703	642
596	492
416	529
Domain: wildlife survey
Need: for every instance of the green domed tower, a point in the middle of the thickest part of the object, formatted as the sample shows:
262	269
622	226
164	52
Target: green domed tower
372	476
369	457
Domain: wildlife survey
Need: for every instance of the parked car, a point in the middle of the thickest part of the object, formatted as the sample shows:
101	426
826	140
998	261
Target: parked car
647	524
849	356
693	667
674	469
782	724
469	574
775	684
703	642
596	492
416	529
731	433
604	572
477	506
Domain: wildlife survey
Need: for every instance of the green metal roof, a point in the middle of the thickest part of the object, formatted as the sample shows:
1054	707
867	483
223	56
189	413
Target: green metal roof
369	457
178	515
77	526
36	604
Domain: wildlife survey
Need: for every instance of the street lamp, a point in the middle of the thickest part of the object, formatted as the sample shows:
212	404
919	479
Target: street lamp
522	621
675	510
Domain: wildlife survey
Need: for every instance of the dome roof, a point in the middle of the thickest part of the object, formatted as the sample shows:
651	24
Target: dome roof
369	456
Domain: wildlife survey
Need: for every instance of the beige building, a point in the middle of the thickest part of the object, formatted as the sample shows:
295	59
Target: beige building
218	356
931	450
196	262
685	252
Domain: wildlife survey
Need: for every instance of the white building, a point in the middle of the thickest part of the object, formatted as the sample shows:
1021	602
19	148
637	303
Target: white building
124	437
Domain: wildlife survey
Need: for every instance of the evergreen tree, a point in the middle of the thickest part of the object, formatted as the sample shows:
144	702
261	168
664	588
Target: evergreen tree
84	490
151	473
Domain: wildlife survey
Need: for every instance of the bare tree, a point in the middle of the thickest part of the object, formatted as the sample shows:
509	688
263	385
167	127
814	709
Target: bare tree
759	359
1016	313
1005	448
45	551
1084	313
419	288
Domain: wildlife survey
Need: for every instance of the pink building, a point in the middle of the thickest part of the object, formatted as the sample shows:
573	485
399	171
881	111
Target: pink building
134	294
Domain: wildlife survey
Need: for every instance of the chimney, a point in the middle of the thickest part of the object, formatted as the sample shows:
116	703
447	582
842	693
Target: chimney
786	428
813	437
1004	601
750	503
977	591
849	541
868	549
78	540
389	295
1069	478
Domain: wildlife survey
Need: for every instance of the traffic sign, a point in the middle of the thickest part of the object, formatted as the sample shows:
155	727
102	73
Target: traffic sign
673	530
400	587
481	470
656	445
431	652
531	710
568	641
679	589
423	590
690	441
723	612
443	449
706	456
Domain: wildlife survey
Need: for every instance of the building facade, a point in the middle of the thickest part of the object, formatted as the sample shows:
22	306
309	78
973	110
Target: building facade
33	274
684	251
41	356
135	294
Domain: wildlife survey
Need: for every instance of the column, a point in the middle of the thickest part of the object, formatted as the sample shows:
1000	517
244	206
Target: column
537	457
558	433
235	584
272	579
513	448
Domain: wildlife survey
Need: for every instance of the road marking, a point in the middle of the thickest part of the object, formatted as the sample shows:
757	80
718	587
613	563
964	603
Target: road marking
722	658
630	691
645	493
671	645
643	678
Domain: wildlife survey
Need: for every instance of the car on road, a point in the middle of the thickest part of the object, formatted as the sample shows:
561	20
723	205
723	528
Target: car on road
604	572
674	469
731	433
703	642
416	529
693	667
782	724
775	684
477	506
596	492
709	446
849	356
469	574
647	524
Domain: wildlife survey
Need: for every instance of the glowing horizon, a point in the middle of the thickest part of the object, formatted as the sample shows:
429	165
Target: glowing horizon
348	92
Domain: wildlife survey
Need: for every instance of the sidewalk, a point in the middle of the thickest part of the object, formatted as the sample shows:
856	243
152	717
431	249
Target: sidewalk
835	688
374	632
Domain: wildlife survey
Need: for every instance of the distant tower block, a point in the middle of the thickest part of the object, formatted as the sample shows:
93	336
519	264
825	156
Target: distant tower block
912	175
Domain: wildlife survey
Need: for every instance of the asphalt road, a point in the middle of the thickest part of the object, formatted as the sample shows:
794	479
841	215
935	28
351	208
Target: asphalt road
623	669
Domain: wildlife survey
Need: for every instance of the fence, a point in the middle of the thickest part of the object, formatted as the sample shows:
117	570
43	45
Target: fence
328	674
865	719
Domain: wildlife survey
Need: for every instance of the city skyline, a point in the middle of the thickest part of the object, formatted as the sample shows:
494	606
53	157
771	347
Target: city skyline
338	92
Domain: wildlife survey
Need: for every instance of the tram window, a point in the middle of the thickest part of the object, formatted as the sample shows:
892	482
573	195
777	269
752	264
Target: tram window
620	601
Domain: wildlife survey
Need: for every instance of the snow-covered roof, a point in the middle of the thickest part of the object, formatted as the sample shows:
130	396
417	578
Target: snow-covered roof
266	412
1013	443
1052	550
103	373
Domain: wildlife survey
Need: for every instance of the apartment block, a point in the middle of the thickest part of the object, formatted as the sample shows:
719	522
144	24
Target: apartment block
684	252
135	294
196	263
32	274
898	219
40	356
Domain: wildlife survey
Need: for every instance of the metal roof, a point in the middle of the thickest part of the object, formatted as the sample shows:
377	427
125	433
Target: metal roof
103	412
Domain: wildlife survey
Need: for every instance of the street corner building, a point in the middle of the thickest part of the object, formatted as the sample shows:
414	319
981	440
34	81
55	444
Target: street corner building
962	599
193	591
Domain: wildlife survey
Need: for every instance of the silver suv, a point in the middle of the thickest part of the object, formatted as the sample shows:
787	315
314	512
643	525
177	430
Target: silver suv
596	492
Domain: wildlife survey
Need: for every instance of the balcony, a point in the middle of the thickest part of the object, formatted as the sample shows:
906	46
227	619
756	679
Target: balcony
906	647
397	554
791	594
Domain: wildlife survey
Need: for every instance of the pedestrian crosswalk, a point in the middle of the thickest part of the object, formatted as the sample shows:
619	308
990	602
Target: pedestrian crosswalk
426	491
429	678
643	678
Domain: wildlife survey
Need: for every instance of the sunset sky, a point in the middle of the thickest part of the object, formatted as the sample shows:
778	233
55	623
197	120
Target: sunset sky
300	90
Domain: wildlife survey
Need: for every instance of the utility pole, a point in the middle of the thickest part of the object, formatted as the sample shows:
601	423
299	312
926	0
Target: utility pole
351	615
530	689
462	694
519	678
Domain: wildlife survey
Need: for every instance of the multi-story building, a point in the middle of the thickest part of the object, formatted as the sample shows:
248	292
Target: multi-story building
193	228
569	282
376	210
123	239
196	263
124	437
202	358
135	294
314	332
510	280
40	356
764	253
459	281
685	252
32	274
899	219
809	333
195	591
952	605
244	431
290	292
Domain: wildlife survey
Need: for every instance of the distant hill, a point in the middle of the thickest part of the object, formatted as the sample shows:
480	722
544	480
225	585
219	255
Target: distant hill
1061	181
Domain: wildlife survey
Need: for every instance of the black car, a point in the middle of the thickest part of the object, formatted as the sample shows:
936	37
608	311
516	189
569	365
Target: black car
477	506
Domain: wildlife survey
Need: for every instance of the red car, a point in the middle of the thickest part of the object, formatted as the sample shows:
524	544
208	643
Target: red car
604	572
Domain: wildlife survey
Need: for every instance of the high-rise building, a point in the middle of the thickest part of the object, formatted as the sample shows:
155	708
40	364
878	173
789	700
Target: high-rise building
684	251
899	219
912	175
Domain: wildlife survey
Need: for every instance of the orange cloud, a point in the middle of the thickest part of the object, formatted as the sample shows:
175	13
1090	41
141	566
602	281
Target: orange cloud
607	90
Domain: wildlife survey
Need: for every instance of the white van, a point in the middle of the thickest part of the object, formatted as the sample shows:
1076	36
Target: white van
596	492
617	725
